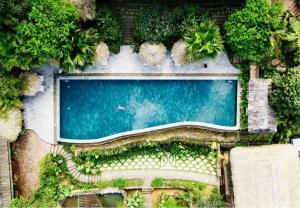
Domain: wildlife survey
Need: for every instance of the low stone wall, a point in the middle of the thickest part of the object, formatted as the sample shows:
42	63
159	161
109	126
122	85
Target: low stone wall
191	135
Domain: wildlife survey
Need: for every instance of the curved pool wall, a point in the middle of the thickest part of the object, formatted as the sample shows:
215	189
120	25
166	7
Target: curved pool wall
60	135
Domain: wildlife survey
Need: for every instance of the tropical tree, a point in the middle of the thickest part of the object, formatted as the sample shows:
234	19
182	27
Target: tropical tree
80	53
11	90
47	31
249	30
203	41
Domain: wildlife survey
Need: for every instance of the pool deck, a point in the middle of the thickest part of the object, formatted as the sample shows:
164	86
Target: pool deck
39	110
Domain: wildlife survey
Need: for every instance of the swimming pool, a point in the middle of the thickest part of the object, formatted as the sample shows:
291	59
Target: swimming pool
103	108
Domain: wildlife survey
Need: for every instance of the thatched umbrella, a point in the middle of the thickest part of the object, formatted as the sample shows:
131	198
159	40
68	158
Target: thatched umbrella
153	54
34	83
265	176
102	54
178	53
11	125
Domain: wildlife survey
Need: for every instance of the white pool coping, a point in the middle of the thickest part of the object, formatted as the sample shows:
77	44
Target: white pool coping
187	124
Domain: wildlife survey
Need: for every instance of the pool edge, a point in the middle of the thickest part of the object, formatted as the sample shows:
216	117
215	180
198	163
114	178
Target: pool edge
199	125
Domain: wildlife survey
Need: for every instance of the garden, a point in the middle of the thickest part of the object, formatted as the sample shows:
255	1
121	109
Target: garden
149	156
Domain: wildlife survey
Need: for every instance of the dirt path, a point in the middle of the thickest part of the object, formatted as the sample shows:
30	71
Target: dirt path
29	150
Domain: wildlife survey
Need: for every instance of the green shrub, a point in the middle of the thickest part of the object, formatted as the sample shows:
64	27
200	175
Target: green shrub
19	203
157	182
80	52
244	79
153	24
12	12
185	17
11	89
9	60
135	201
203	41
120	182
214	200
285	94
248	31
285	100
47	31
109	28
166	201
292	36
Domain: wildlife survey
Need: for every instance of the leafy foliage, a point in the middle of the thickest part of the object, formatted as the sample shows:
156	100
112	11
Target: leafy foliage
168	201
109	28
80	52
12	12
135	201
285	94
293	37
196	192
249	30
203	41
47	31
153	24
244	79
11	89
285	100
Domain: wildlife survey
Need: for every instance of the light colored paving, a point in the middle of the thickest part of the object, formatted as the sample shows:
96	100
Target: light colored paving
146	175
39	110
128	62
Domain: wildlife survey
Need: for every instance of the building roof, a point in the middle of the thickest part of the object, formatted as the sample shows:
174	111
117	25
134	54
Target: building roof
266	176
261	117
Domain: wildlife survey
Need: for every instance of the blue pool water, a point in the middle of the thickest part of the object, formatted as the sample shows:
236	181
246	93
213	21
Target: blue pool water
91	109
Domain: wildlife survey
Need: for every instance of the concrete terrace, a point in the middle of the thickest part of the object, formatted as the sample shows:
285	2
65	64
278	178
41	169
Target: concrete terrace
39	110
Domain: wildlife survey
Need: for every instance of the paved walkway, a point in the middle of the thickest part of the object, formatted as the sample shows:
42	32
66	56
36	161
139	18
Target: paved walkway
146	175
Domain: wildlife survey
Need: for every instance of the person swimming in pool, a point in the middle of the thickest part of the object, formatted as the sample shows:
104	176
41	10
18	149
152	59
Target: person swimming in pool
121	107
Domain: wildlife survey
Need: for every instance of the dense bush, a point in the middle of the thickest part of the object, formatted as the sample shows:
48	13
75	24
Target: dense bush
292	35
203	41
159	24
12	12
185	17
248	31
285	100
136	200
11	89
109	28
244	79
80	52
153	24
196	192
285	94
47	31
